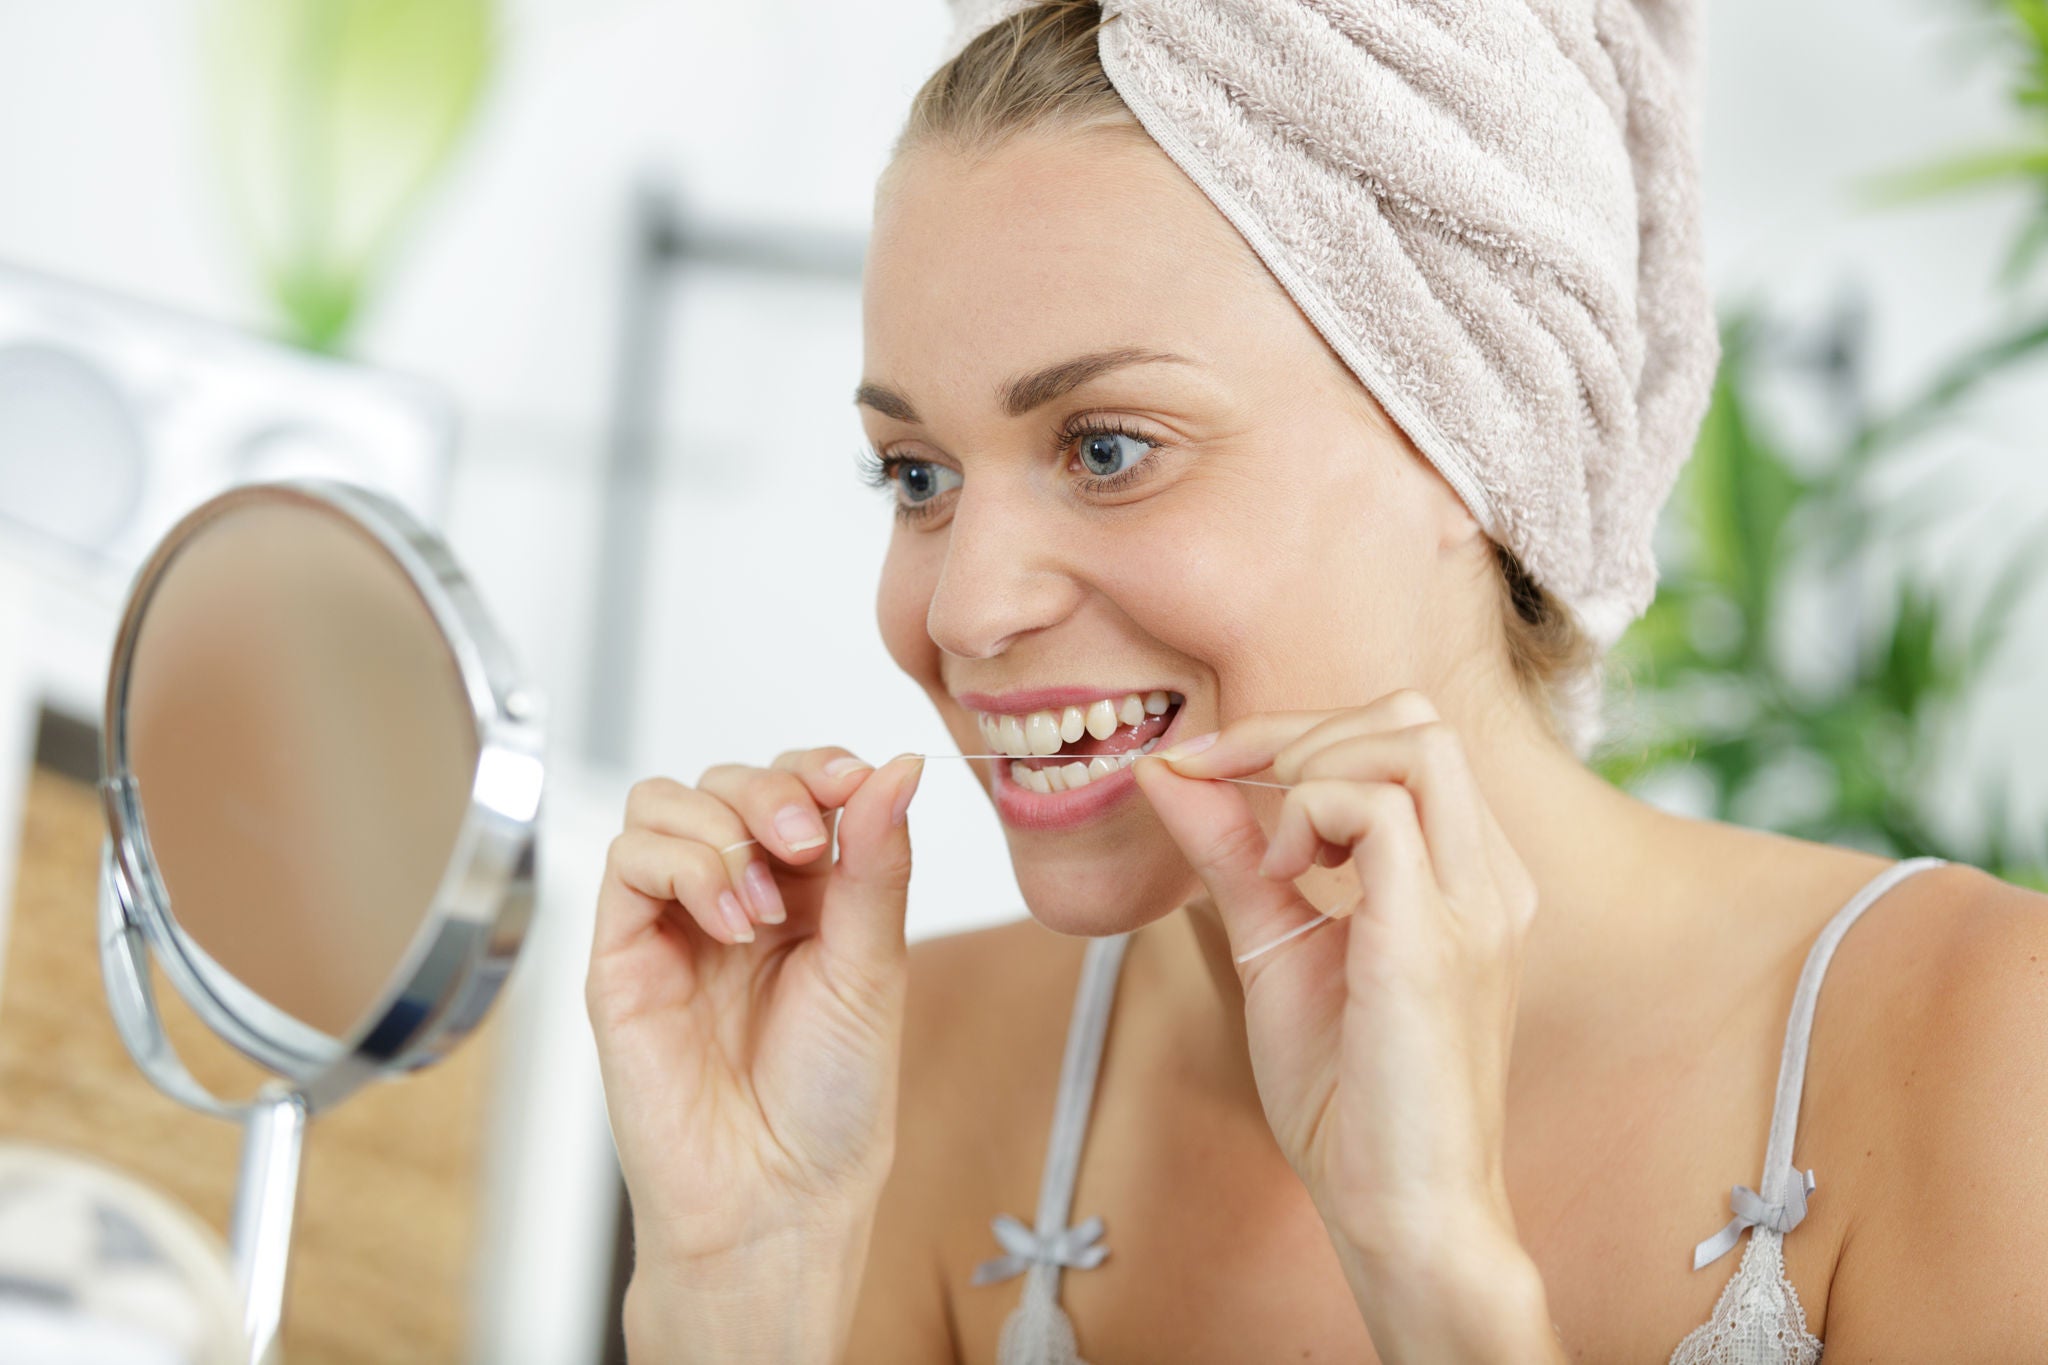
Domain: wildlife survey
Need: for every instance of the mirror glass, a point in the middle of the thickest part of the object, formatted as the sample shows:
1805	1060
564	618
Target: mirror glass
303	752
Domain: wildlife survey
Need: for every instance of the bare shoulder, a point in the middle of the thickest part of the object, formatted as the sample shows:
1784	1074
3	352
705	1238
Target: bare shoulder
1941	1259
984	1008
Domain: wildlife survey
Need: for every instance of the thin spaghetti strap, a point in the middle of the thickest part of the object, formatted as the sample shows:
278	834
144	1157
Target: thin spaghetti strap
1779	1202
1037	1331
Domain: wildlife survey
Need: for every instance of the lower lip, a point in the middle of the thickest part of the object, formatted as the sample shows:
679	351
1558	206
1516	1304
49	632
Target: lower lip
1024	808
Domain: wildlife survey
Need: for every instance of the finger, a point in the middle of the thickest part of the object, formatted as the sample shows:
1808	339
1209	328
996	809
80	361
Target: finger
1295	844
654	871
1254	742
1397	909
1213	824
786	808
1404	709
1245	745
1428	760
1376	821
1398	926
668	807
831	774
860	922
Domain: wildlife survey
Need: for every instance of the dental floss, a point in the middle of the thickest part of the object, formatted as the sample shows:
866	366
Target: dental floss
1295	932
1241	781
1241	958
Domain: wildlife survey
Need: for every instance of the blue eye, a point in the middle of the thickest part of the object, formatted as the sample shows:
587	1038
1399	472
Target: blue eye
922	480
1104	453
915	483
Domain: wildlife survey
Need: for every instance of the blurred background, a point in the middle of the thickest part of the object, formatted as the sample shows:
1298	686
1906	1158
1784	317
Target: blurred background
579	283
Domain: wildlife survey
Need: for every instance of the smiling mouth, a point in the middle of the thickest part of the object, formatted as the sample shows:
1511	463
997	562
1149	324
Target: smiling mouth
1066	748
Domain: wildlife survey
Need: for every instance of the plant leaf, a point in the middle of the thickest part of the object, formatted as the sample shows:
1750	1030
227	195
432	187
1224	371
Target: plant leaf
1974	170
335	116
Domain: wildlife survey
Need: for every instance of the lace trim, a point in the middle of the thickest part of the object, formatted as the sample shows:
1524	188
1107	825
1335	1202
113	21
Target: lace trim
1038	1331
1758	1320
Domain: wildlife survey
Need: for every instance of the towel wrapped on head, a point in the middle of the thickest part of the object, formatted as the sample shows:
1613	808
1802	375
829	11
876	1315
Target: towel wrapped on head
1490	210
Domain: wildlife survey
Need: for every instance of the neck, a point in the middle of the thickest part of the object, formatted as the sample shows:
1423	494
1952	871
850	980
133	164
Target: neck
1590	848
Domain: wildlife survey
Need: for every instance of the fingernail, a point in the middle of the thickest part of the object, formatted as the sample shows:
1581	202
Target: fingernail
844	764
1188	747
760	884
909	790
799	827
729	906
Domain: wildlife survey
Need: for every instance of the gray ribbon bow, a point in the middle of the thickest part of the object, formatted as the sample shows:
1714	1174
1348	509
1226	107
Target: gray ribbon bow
1077	1246
1752	1211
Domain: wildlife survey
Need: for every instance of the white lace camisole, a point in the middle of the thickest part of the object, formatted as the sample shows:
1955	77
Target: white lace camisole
1758	1319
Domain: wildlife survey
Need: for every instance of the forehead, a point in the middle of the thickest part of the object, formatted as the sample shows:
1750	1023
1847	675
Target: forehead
1051	244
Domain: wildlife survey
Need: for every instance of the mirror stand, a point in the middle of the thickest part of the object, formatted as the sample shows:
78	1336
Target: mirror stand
343	770
273	1124
266	1196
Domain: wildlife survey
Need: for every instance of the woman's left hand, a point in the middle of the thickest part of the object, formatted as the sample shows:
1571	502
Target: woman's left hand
1379	1041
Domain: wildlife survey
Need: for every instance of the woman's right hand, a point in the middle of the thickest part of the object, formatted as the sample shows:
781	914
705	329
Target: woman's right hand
752	1084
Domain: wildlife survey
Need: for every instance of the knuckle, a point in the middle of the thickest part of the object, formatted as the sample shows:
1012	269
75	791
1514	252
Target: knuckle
1324	764
1291	765
1387	801
696	861
1407	706
643	795
719	772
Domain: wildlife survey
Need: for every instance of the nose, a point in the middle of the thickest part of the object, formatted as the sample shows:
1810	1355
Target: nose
1002	576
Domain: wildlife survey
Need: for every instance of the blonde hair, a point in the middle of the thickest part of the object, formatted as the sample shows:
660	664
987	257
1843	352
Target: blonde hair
1037	70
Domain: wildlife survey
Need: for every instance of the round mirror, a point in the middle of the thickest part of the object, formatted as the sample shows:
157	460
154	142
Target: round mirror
322	776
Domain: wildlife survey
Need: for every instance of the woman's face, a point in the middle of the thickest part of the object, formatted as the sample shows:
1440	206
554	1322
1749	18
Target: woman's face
1240	526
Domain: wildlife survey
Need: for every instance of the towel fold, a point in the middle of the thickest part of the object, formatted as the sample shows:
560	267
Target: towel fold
1490	209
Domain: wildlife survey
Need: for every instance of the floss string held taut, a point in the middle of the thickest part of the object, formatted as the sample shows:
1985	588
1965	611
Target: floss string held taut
1241	958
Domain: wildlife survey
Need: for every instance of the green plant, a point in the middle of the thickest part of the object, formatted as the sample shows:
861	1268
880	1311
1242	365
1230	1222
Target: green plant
2020	29
337	117
1845	760
2018	32
1840	760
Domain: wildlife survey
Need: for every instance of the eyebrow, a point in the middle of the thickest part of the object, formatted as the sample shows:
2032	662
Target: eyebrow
1029	391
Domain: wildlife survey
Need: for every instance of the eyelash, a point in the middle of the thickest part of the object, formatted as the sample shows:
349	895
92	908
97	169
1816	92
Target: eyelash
879	471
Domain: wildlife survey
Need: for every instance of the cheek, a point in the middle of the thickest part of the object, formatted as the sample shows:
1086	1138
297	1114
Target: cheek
902	603
1292	584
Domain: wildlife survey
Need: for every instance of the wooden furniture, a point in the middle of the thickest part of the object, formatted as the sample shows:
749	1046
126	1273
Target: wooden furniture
389	1196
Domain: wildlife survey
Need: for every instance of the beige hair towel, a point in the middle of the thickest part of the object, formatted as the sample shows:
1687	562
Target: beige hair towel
1490	209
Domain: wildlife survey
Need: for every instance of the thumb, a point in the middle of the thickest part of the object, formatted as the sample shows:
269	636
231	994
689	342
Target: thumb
860	920
1223	842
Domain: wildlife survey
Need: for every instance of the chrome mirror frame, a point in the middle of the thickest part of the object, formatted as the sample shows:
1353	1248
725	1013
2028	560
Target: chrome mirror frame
452	970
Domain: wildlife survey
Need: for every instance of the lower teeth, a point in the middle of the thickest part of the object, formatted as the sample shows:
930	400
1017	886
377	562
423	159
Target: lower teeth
1068	776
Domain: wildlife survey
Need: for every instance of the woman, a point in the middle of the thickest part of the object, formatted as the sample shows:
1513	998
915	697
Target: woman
1452	1050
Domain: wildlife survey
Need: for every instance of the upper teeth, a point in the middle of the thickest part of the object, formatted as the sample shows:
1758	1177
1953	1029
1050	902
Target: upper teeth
1042	732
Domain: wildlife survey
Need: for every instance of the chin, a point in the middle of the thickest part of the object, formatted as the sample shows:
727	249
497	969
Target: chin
1097	898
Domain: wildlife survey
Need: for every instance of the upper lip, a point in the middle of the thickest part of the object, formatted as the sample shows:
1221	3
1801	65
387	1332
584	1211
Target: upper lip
1029	699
